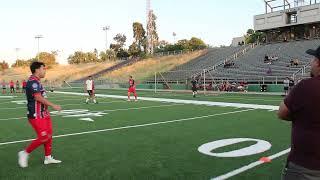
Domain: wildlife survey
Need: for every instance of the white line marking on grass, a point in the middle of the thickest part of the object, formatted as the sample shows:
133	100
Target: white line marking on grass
250	166
81	104
86	119
209	103
6	97
111	110
132	126
145	107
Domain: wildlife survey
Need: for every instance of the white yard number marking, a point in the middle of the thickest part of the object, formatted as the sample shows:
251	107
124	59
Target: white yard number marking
20	102
82	114
260	147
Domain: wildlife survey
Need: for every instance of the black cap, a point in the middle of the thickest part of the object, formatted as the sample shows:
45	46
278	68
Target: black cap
315	53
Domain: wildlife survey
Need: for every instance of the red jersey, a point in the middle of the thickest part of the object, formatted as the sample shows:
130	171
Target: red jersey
131	83
11	84
24	84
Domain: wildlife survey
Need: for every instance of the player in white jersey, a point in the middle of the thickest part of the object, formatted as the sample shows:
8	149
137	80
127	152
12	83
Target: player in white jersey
89	86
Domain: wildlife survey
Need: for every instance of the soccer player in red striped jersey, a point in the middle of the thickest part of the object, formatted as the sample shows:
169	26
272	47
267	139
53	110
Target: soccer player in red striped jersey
39	116
132	88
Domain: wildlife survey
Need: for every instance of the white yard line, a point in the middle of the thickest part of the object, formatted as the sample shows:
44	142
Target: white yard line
208	103
249	166
110	110
81	104
132	126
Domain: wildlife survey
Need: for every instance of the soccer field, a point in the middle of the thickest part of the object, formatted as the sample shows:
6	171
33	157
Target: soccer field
160	137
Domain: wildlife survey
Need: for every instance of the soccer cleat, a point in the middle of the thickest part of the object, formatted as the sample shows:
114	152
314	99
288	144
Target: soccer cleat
50	160
128	100
23	159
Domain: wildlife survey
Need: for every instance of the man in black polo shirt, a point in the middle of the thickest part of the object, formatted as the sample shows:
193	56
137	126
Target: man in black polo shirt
301	107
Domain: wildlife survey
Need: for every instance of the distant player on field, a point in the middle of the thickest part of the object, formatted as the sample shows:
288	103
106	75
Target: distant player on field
4	87
194	84
132	88
39	116
24	85
17	86
89	86
11	84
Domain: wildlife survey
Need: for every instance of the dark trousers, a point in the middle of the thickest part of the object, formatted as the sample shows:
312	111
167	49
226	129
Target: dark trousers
295	172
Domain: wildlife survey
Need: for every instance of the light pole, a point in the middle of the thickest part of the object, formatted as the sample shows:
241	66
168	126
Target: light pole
174	37
106	29
38	37
17	51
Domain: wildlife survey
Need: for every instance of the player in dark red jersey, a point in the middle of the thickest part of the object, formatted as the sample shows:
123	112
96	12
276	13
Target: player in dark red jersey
11	84
24	85
132	89
38	116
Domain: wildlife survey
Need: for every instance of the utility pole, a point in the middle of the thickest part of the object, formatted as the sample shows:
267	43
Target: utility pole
106	29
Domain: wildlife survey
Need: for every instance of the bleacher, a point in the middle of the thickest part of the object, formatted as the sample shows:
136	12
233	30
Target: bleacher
250	66
213	56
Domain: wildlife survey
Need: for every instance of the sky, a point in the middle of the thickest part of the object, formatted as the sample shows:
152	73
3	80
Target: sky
71	25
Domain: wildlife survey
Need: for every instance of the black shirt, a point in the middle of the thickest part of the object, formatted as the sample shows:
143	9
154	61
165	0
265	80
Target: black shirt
194	83
303	103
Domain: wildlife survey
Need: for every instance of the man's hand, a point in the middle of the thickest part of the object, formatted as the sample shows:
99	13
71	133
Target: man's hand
56	107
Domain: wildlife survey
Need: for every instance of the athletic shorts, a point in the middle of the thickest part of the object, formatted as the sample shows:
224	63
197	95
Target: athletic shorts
90	92
194	89
286	88
132	90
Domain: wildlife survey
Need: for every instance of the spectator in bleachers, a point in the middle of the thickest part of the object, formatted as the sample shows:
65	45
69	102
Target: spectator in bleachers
269	71
294	62
266	58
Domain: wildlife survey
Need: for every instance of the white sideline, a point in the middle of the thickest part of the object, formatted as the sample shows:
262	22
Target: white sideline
250	166
208	103
132	126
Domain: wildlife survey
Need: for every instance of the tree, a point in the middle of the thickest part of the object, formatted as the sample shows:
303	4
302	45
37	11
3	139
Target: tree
47	58
123	54
196	43
108	55
139	34
134	49
91	57
254	37
120	40
4	66
77	58
184	44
